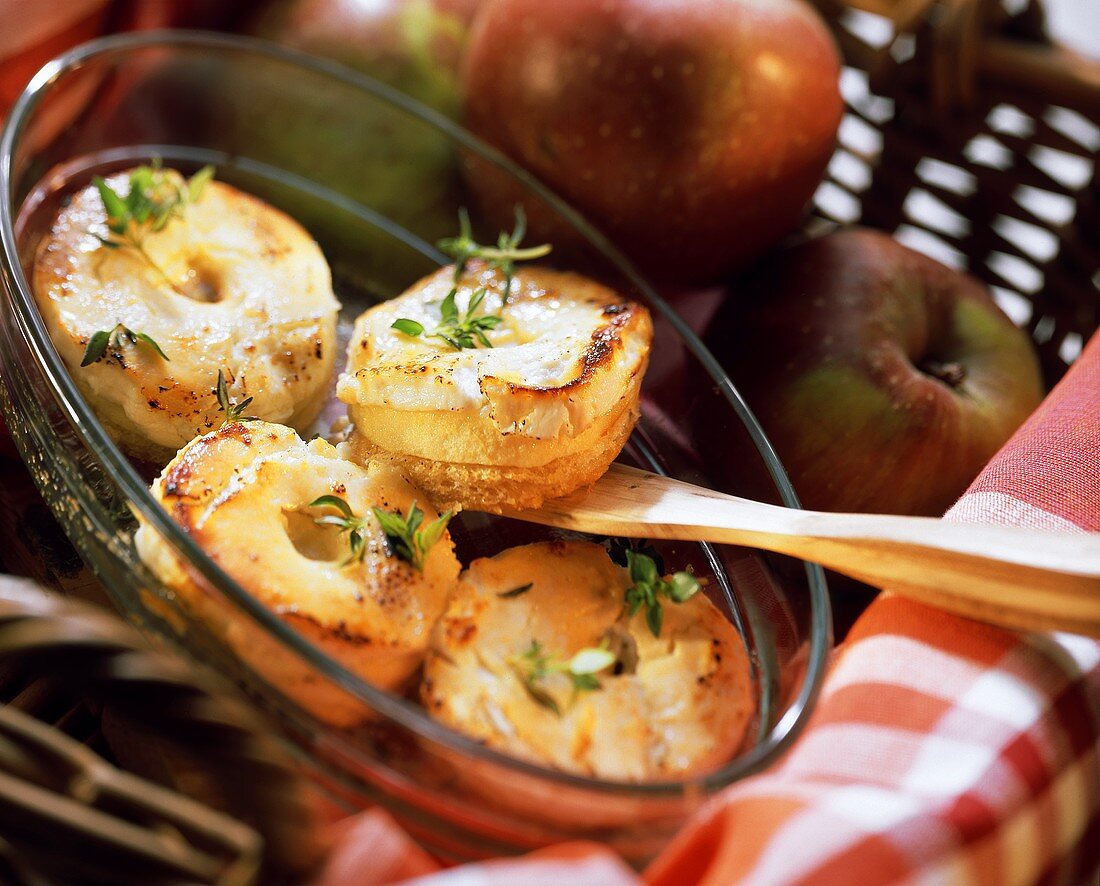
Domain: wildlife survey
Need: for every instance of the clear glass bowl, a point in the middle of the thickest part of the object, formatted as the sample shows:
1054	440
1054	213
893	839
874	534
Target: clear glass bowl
376	178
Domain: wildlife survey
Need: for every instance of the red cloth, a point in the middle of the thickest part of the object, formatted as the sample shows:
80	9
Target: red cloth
942	750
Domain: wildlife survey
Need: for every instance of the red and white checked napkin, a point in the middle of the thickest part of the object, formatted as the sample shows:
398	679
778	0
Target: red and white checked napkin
942	750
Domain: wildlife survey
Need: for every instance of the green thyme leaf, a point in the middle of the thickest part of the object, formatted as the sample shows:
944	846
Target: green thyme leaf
584	682
457	331
345	521
333	501
410	539
115	338
654	617
97	347
463	247
118	215
233	412
409	327
161	217
516	592
532	667
392	524
542	697
448	311
197	183
357	545
430	534
643	570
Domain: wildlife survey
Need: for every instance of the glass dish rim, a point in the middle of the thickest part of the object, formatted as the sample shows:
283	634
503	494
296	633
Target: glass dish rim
403	712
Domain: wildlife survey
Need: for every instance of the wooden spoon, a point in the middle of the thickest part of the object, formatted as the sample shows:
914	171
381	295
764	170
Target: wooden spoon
1018	578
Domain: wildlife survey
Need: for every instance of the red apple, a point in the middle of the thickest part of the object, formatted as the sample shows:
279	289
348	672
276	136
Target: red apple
693	134
36	32
885	380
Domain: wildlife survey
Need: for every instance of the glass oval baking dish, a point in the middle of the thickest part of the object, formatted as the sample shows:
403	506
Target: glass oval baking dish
375	177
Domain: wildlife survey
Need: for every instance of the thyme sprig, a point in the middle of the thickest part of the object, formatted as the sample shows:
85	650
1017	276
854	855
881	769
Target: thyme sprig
650	589
114	339
468	330
409	537
464	331
502	257
233	412
535	664
346	521
154	199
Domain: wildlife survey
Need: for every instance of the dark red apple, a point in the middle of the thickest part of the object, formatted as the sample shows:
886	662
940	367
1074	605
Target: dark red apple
885	380
692	133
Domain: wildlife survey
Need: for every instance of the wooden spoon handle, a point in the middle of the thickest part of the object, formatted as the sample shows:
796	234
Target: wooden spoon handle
1018	578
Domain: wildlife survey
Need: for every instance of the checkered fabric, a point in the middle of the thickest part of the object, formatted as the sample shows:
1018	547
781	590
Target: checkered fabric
942	750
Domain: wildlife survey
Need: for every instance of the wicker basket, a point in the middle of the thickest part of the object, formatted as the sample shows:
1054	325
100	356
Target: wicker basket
971	137
75	683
